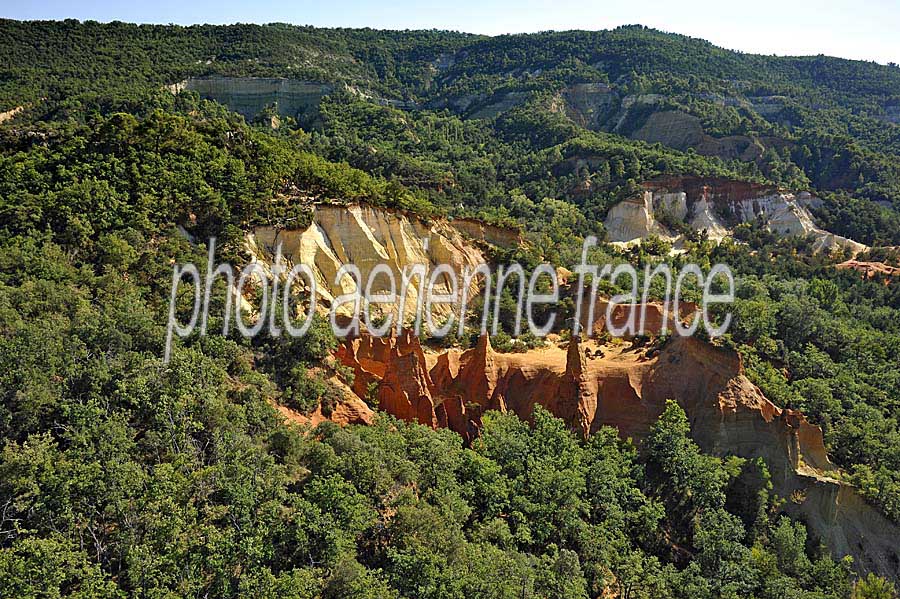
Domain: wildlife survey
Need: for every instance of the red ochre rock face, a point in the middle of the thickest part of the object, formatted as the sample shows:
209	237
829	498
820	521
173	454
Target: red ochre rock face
870	270
615	385
719	189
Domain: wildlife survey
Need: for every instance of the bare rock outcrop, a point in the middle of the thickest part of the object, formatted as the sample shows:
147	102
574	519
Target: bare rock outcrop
487	233
716	206
369	237
405	390
684	131
626	388
11	114
350	410
870	270
577	397
251	95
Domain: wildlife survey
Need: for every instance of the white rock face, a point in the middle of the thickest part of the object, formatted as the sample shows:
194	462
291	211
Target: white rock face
784	214
673	203
703	217
781	212
634	219
368	237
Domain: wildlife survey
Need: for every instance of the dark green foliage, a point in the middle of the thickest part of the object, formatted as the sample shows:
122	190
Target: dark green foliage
124	476
826	342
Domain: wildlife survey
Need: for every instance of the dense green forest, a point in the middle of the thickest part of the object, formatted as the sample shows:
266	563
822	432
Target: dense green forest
124	476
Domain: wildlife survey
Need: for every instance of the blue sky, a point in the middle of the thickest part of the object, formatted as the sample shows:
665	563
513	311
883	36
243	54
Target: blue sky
862	29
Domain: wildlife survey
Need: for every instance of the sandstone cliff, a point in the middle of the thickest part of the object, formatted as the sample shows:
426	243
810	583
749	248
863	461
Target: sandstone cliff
683	131
350	410
367	237
870	270
588	387
716	206
250	95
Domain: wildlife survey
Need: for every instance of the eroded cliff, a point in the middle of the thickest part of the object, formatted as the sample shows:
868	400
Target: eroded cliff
870	270
586	384
716	206
366	236
589	386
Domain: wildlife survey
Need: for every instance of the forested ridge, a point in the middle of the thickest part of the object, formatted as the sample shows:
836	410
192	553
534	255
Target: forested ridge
124	476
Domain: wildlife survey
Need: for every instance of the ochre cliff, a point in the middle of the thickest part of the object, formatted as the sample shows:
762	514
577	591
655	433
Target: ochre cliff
586	384
11	114
589	386
650	318
870	270
487	233
350	410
